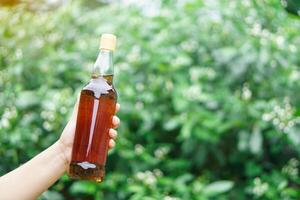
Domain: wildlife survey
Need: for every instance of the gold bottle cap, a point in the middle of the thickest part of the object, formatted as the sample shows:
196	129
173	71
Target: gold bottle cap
108	42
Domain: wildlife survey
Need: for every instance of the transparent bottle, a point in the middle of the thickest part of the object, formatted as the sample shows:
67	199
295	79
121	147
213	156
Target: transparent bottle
96	108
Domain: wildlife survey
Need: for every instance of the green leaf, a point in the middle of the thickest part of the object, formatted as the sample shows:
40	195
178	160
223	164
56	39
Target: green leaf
51	195
218	187
243	140
292	6
84	187
256	140
294	135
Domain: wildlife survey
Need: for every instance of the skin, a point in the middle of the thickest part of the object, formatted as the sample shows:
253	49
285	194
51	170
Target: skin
31	179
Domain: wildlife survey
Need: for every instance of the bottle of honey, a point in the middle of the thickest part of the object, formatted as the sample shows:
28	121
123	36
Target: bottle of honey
96	108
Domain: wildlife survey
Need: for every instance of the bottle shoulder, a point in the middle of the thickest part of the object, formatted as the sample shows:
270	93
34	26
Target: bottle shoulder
99	87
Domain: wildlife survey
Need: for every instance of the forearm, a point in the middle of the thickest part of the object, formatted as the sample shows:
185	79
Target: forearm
34	177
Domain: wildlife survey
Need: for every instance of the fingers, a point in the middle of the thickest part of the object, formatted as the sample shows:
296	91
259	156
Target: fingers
113	133
111	143
117	107
115	122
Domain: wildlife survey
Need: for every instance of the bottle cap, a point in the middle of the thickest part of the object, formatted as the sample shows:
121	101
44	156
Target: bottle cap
108	42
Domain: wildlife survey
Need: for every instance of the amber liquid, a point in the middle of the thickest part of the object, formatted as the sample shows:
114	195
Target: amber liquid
96	109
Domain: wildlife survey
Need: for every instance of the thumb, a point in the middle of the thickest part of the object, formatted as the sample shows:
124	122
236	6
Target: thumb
75	109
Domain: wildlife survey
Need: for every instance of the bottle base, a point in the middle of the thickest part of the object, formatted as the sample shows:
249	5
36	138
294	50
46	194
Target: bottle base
86	171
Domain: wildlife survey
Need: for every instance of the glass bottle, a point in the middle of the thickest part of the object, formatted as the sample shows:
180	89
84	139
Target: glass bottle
95	111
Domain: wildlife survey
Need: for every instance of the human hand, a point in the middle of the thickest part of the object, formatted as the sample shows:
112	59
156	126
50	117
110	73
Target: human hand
67	137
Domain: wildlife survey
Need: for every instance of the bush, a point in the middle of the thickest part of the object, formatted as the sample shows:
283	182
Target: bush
209	95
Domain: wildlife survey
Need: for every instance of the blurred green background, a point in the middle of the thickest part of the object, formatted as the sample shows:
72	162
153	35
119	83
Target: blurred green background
209	91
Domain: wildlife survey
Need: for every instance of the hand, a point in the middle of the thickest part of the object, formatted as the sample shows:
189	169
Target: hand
68	134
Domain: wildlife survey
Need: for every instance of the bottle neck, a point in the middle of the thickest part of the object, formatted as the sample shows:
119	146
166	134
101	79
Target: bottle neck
104	64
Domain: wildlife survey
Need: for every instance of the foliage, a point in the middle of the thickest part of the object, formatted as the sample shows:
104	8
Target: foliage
209	93
292	6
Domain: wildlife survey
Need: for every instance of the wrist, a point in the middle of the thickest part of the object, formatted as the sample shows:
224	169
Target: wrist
64	152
